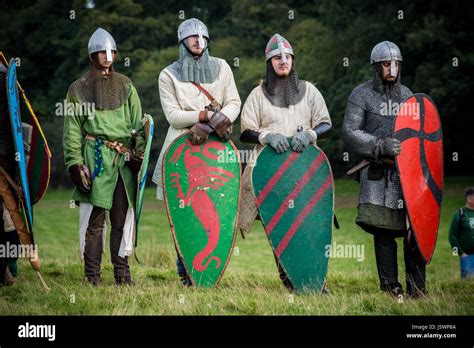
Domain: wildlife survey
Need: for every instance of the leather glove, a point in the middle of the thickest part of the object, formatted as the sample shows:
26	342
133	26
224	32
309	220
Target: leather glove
301	140
81	177
390	147
221	124
277	141
199	133
134	163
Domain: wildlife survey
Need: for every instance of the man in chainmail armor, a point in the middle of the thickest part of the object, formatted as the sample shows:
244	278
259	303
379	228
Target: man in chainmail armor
281	107
102	150
367	131
198	94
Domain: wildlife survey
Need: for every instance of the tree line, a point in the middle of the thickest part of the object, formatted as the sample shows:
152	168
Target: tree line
332	41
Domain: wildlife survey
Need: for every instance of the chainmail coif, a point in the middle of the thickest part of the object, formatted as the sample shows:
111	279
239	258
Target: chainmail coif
106	91
202	69
283	91
384	87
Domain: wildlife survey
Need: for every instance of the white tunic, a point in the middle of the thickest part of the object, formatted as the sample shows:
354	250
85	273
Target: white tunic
182	102
261	115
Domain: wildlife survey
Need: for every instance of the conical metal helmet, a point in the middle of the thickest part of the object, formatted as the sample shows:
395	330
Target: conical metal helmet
193	26
278	46
101	40
386	51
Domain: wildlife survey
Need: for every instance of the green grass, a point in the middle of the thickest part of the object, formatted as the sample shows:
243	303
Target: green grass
250	285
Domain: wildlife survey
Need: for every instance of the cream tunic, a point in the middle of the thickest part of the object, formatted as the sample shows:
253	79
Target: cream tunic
261	115
182	102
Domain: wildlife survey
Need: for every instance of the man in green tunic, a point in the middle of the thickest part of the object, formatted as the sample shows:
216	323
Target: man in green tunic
103	144
461	234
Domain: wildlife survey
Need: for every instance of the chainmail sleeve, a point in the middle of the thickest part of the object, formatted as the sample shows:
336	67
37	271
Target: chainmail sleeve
353	129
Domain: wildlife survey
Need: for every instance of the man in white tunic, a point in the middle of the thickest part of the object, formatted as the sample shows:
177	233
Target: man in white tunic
281	107
197	94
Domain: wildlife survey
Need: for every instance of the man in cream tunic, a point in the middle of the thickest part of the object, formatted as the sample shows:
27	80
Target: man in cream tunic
281	107
183	86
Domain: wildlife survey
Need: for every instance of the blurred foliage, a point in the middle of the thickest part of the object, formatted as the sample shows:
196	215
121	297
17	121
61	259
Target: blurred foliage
52	47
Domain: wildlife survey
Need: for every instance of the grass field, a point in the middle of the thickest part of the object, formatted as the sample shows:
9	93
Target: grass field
250	285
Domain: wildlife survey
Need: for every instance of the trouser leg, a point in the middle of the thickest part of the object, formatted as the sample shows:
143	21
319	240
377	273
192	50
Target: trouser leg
180	266
415	269
12	238
8	237
386	257
94	244
183	275
118	215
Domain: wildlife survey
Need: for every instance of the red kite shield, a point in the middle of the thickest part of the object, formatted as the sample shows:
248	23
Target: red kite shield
420	165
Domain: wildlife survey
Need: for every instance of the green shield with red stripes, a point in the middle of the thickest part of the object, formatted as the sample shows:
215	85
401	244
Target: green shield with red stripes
201	186
295	197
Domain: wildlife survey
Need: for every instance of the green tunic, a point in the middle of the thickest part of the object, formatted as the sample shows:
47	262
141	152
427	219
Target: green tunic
112	125
461	231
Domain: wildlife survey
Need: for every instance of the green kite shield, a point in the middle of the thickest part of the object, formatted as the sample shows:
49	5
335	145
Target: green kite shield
201	185
148	127
295	197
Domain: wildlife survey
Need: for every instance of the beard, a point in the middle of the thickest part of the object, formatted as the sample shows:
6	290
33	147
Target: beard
283	73
390	79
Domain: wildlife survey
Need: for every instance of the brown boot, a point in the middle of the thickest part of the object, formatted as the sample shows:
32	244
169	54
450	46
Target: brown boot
94	280
123	277
9	279
325	290
395	290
